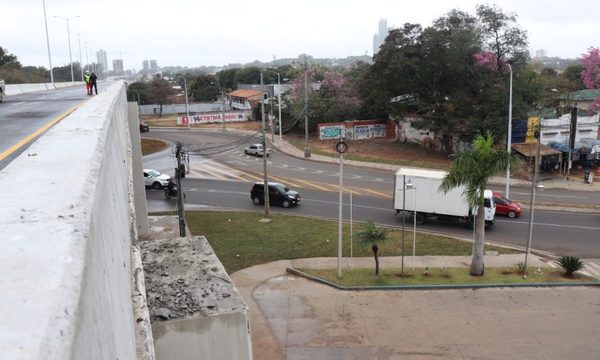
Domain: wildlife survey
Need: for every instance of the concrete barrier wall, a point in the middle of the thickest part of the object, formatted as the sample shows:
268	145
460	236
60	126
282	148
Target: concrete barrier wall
18	89
66	229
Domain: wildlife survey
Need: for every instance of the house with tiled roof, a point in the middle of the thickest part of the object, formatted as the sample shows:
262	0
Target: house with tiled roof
244	99
583	98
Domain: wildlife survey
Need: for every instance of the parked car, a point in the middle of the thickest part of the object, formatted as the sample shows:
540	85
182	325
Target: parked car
144	127
155	180
505	206
256	150
279	194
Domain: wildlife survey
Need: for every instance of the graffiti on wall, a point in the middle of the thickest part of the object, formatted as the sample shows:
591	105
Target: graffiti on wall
330	132
369	131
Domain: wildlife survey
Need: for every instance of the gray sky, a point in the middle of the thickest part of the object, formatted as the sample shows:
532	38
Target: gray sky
193	33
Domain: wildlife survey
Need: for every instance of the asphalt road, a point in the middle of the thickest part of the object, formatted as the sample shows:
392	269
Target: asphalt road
222	179
23	117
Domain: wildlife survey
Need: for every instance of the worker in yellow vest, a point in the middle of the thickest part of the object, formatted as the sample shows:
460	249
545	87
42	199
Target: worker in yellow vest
88	82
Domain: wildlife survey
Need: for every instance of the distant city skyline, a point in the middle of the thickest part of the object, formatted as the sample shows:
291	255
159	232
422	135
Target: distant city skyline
262	30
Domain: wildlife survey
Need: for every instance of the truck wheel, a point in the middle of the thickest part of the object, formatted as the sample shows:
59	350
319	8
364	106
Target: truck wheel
256	201
420	219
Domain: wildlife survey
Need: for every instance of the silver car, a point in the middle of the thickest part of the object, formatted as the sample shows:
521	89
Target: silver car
256	150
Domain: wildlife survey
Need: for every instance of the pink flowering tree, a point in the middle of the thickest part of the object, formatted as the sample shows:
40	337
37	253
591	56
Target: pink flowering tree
591	73
488	60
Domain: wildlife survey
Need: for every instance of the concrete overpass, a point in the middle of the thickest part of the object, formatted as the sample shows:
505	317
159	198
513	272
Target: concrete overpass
73	208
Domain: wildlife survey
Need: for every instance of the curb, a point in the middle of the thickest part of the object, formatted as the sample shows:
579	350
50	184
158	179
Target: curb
434	287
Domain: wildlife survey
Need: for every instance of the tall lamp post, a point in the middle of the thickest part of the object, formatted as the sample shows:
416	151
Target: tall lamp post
80	58
509	134
48	44
264	144
69	38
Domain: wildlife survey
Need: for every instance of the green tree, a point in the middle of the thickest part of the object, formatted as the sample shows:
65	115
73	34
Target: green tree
204	87
472	169
248	75
159	92
227	78
139	91
373	236
7	59
572	77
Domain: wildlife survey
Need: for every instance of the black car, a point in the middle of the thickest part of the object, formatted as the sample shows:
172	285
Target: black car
144	127
279	194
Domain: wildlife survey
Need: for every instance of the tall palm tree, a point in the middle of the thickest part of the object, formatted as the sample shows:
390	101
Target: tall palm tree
472	168
373	235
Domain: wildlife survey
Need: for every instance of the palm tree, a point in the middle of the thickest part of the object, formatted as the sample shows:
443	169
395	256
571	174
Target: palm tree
373	235
472	168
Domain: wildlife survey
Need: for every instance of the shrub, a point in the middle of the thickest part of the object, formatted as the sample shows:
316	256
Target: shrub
569	264
521	268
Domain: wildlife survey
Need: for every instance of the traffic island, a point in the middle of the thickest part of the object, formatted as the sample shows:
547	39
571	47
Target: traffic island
437	278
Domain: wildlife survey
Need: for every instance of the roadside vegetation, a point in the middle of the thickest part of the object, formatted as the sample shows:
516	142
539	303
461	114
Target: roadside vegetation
150	146
447	276
241	241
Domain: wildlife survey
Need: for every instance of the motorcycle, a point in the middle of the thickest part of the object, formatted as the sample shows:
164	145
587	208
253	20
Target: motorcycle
171	190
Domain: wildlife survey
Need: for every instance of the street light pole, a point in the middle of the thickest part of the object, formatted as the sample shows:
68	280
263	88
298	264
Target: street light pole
306	148
403	219
48	44
187	112
509	135
264	144
279	106
69	39
80	58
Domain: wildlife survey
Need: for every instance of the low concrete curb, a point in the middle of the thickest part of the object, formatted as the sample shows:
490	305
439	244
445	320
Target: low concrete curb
433	287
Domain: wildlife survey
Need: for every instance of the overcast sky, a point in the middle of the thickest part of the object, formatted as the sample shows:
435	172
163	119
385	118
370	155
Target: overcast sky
193	33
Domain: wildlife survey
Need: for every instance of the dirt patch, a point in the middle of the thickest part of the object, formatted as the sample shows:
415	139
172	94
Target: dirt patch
388	150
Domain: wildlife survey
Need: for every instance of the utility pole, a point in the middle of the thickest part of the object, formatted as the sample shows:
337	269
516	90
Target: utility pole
180	213
187	111
306	148
572	135
223	107
264	144
509	134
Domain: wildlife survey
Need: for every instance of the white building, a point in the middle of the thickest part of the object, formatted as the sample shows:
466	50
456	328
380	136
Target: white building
102	60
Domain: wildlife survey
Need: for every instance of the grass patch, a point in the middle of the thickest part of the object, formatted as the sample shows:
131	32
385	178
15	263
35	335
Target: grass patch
150	146
449	276
240	240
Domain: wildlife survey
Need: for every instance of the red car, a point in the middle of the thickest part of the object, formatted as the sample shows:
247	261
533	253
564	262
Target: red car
506	207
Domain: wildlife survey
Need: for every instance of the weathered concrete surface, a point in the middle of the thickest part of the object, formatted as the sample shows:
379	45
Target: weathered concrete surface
296	319
65	226
196	311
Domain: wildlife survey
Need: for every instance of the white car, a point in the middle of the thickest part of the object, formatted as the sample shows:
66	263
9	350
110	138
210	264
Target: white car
156	180
256	150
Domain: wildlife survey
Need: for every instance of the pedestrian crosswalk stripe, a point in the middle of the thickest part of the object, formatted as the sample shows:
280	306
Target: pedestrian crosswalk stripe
210	169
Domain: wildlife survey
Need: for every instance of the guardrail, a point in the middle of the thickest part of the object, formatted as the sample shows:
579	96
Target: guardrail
67	229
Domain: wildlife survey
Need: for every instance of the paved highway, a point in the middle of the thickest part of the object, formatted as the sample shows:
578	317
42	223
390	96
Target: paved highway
23	118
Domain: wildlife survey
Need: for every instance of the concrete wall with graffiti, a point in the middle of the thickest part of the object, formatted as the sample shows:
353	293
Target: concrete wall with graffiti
212	118
356	130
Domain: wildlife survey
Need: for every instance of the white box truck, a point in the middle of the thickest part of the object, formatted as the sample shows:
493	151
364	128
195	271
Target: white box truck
425	196
2	90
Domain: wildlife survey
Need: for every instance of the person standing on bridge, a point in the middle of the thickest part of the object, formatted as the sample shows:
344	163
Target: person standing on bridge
93	84
88	82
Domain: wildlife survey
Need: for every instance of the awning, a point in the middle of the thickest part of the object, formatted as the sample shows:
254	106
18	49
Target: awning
530	150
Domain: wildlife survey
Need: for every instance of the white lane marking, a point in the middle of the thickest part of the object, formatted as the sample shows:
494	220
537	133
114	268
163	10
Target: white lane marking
19	103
